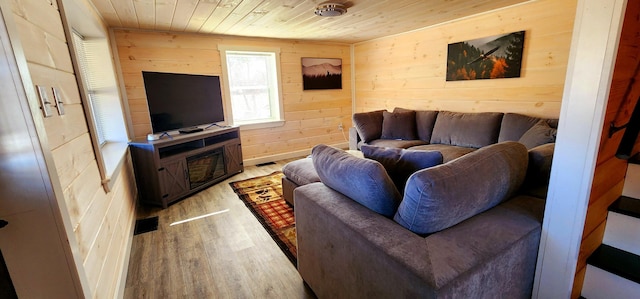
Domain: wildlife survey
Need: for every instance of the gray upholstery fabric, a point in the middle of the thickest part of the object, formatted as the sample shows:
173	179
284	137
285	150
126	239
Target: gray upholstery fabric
539	170
301	172
363	180
287	190
354	139
514	125
368	124
439	197
399	125
395	143
425	119
539	134
466	129
401	163
449	152
347	251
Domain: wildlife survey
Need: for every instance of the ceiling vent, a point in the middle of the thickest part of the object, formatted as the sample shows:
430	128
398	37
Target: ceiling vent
330	9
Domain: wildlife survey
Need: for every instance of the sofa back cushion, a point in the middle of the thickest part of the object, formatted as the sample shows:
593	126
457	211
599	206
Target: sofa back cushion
368	124
425	119
541	133
514	125
466	129
442	196
401	163
363	180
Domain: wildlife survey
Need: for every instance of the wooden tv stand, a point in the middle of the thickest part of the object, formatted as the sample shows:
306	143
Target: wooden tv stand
167	170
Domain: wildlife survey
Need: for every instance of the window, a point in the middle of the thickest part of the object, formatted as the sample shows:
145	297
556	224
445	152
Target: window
252	86
103	108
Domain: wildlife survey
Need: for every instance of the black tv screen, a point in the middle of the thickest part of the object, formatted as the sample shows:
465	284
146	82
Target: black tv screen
179	101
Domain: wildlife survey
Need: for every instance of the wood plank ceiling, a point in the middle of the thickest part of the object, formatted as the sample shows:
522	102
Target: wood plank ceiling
290	19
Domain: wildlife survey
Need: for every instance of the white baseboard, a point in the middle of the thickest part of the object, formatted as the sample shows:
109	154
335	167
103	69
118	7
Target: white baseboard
289	155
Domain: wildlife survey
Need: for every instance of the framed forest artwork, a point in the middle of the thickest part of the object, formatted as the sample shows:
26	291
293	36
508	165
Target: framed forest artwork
498	56
321	73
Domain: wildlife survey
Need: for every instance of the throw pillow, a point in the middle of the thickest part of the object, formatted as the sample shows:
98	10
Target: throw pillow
401	163
439	197
399	125
368	124
539	134
362	180
425	119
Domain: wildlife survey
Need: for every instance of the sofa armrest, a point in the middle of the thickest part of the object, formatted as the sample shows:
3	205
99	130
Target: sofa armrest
346	250
354	138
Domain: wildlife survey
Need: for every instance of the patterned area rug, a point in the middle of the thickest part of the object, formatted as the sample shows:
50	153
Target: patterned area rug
263	196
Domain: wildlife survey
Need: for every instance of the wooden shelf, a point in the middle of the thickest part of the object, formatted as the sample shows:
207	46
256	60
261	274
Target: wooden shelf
172	168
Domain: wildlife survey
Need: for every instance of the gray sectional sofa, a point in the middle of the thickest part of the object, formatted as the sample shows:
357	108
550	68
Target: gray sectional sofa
466	226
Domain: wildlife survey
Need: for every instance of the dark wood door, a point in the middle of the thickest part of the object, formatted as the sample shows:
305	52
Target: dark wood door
173	180
233	157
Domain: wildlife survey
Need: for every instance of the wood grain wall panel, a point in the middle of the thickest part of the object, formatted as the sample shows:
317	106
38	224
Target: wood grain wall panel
120	212
81	189
73	158
609	174
409	69
42	37
42	14
64	82
62	129
193	53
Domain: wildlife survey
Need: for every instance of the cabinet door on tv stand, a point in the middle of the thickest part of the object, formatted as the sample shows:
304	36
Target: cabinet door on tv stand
233	157
173	180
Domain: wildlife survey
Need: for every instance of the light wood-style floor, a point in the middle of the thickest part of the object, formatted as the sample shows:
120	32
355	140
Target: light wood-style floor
227	255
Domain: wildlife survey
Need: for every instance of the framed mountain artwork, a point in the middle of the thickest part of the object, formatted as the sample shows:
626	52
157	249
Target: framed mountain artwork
498	56
321	73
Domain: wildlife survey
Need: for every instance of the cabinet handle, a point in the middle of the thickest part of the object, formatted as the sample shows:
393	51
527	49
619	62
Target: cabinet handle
165	196
3	223
161	169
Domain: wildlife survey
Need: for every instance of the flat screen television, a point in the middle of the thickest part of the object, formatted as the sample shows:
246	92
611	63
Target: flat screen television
182	101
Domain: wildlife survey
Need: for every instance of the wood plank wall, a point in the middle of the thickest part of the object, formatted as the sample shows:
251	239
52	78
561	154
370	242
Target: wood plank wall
101	221
311	117
610	171
408	70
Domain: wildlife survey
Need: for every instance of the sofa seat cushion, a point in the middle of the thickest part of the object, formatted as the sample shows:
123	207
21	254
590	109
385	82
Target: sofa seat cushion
301	172
395	143
449	152
402	163
466	129
363	180
439	197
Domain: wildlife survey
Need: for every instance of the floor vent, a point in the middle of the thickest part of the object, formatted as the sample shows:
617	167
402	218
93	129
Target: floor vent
146	225
265	164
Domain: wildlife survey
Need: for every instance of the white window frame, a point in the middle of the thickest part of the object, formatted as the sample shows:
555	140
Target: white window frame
277	110
111	148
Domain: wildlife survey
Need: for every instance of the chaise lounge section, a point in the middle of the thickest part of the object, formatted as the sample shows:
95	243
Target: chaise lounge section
455	233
